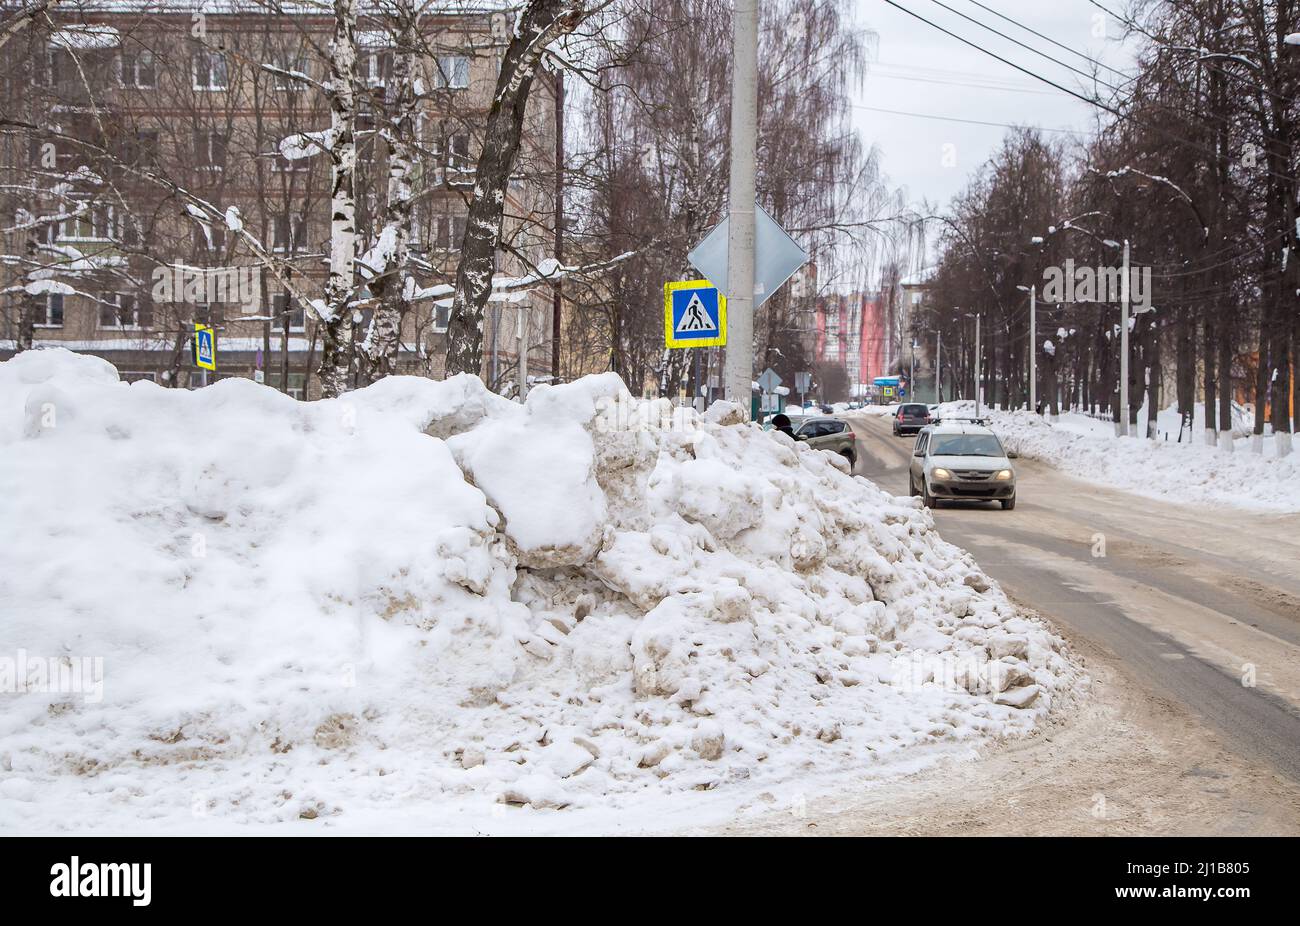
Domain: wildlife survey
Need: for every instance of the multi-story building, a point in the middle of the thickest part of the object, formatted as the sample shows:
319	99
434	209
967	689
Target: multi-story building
853	332
131	103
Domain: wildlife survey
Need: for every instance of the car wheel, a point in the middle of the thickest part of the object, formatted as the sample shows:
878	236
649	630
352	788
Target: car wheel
851	457
1008	503
911	486
927	499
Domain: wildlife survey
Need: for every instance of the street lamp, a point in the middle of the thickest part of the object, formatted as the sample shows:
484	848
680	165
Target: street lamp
1033	345
976	316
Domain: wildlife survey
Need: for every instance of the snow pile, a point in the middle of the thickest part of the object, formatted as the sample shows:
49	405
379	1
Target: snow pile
425	596
1186	472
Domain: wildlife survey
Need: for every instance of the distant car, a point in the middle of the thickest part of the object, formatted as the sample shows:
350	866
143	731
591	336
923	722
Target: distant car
910	418
830	434
826	409
961	459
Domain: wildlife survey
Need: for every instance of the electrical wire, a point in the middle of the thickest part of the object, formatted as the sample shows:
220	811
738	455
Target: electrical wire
1091	101
1003	125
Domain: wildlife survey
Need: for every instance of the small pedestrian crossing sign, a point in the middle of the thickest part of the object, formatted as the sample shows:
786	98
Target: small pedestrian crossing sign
205	346
695	314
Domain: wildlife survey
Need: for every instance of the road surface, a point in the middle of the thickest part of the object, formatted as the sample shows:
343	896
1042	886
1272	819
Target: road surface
1189	621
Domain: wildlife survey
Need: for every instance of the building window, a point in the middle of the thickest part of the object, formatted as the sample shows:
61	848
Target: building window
290	232
280	303
210	150
458	154
297	383
209	313
53	315
282	165
294	64
123	310
209	237
91	223
451	72
136	69
142	148
451	230
441	316
209	71
377	66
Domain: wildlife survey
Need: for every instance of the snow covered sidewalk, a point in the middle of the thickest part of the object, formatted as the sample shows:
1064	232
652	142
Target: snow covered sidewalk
423	607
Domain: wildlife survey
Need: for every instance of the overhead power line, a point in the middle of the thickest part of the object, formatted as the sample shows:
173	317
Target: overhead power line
1048	38
1001	125
1027	47
1091	101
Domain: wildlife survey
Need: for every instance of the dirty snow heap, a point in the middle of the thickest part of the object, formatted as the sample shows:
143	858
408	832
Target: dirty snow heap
232	606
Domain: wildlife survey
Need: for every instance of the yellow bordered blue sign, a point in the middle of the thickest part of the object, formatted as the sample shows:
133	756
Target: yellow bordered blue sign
205	346
695	315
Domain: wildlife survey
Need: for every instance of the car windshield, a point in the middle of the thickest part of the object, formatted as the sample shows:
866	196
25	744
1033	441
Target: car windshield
966	445
913	411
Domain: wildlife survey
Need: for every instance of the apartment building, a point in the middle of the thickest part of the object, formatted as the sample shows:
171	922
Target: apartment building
134	100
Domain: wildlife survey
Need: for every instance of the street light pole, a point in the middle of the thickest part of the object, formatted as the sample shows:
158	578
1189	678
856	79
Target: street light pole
978	391
1033	349
938	366
739	369
1123	345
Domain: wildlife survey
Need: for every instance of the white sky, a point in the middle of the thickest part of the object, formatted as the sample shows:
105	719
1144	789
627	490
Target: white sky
919	69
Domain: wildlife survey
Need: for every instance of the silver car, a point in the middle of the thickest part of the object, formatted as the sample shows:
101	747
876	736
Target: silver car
961	460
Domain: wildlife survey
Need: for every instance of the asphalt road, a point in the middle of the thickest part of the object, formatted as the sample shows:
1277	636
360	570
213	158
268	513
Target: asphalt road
1195	605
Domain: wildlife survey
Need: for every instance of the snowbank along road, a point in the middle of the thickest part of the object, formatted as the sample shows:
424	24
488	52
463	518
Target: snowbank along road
1191	617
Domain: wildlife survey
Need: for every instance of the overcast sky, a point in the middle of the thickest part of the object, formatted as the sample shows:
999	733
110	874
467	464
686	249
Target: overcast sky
918	69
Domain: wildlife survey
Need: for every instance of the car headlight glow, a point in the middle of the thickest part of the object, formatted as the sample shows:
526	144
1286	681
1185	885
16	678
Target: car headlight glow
1002	475
940	473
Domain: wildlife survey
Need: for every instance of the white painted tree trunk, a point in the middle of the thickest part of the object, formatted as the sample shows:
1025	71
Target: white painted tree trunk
1282	444
1225	442
335	312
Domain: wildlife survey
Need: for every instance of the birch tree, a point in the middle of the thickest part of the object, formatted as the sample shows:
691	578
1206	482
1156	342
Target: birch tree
335	311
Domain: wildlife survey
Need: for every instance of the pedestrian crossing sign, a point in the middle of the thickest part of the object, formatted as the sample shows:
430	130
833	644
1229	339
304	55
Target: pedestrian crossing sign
205	346
695	314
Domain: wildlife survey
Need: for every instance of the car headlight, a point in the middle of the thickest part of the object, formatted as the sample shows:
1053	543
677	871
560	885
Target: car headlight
940	473
1002	475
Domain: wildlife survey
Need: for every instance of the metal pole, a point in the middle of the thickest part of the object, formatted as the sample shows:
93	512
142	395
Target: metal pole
739	369
938	366
557	298
978	365
1033	349
1123	345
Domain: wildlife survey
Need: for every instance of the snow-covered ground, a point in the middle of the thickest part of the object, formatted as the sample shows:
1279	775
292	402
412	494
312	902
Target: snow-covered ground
1190	471
424	608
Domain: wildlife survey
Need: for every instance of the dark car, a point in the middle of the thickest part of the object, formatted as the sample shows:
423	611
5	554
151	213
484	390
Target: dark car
911	418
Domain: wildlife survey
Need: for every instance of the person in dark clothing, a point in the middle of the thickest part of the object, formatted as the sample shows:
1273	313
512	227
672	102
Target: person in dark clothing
782	423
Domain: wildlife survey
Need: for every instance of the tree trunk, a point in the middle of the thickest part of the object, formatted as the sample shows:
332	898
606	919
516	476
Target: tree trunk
1211	427
337	324
388	277
1225	388
540	23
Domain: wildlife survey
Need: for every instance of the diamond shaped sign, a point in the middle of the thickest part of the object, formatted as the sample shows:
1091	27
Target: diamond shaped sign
776	256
